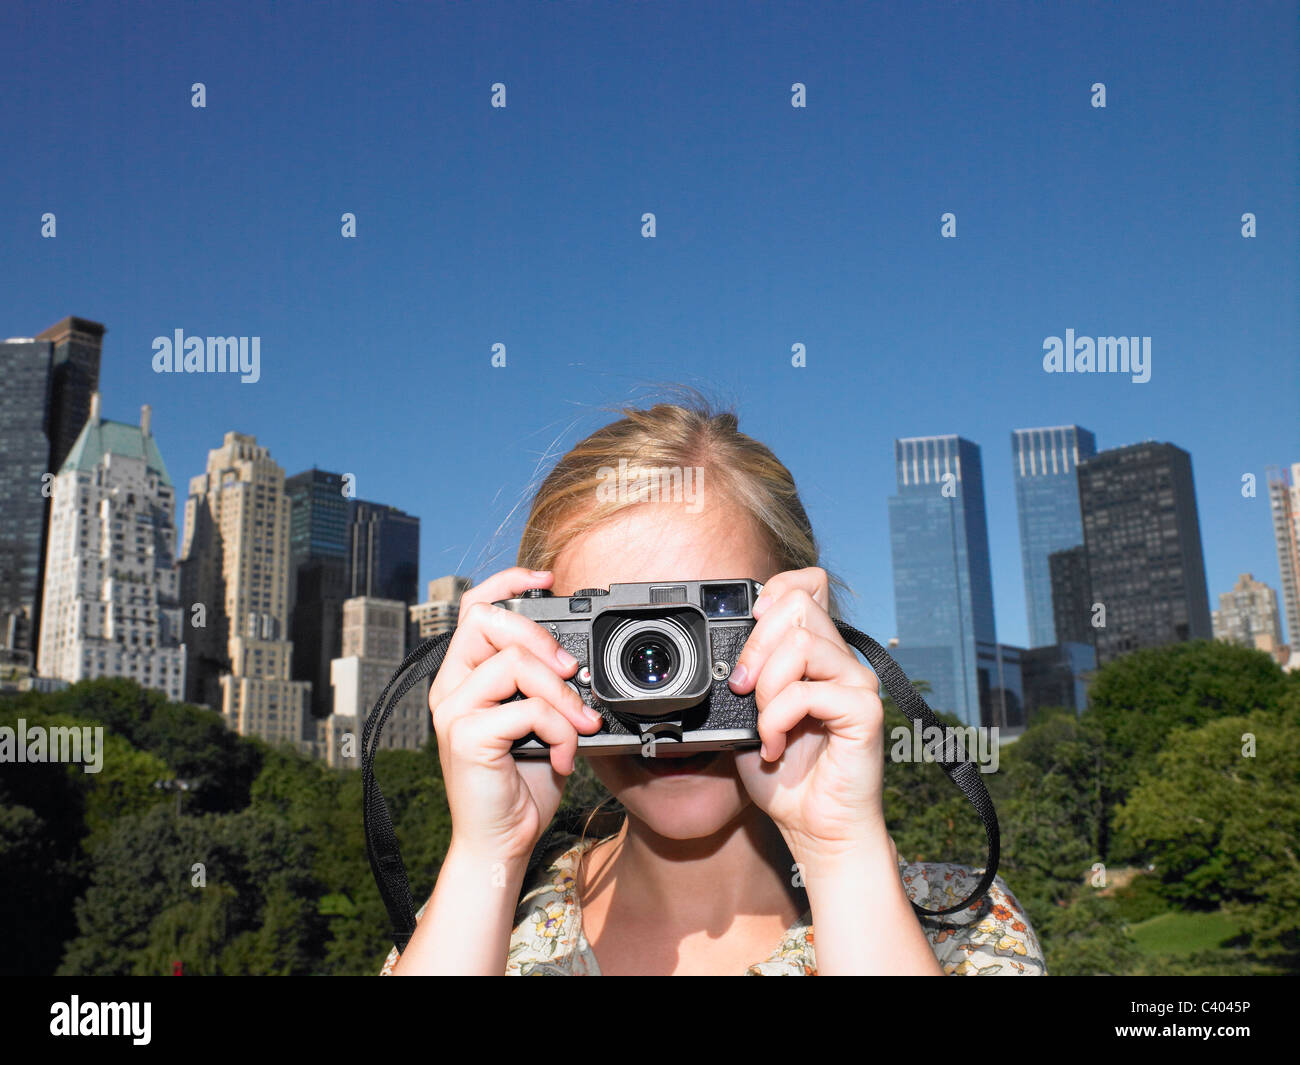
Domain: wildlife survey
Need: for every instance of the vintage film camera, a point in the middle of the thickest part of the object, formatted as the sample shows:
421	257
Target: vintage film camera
653	659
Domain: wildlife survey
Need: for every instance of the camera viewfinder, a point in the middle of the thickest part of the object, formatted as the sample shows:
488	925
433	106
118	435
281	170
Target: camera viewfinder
724	600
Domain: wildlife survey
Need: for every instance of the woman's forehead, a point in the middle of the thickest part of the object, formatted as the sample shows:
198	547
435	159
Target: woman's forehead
657	541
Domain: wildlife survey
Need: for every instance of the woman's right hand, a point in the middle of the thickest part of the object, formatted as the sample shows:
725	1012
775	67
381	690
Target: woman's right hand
499	805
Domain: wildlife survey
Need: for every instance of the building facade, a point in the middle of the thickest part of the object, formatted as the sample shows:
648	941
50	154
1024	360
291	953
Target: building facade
943	585
319	518
384	550
1284	503
45	400
374	644
1072	603
111	604
441	608
24	461
1146	569
1044	465
1057	676
1248	616
235	568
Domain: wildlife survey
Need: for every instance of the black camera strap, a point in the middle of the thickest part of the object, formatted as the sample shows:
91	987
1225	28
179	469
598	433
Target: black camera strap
381	838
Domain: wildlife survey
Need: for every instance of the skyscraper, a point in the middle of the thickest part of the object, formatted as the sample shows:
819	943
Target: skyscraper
236	567
24	461
1044	463
384	545
1284	502
1248	616
319	533
943	585
1143	540
340	548
76	345
111	606
48	381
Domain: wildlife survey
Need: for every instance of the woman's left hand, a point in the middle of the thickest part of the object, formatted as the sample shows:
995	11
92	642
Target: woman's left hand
820	772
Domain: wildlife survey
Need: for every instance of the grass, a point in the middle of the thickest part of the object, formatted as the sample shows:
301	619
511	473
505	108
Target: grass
1182	934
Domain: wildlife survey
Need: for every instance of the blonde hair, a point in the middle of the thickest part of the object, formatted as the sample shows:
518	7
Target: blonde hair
680	437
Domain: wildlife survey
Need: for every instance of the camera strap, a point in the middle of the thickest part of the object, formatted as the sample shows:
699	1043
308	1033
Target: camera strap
385	855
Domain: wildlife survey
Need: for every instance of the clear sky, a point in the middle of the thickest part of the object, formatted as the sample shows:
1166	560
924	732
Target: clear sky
776	226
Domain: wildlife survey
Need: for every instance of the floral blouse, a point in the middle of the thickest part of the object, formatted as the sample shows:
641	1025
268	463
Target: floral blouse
992	937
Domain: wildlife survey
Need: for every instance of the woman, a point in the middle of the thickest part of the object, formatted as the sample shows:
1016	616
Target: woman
725	861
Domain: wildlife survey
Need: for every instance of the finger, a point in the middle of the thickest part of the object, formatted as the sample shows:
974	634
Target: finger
813	580
516	669
485	630
508	584
796	609
846	710
495	731
805	656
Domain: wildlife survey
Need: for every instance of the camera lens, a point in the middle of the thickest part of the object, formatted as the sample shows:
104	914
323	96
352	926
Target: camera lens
649	661
648	658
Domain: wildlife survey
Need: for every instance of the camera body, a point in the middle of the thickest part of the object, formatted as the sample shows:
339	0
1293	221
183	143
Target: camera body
653	660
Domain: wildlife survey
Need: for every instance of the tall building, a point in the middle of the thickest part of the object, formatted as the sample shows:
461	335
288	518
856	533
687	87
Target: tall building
384	546
76	345
943	585
1248	615
1284	501
111	597
374	644
1044	464
319	535
340	548
1071	595
235	566
24	461
48	381
440	610
1143	540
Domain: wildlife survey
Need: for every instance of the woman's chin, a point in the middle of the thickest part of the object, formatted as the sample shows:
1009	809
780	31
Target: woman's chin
679	808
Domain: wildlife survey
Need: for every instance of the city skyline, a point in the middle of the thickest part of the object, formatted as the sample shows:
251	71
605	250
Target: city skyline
363	508
775	227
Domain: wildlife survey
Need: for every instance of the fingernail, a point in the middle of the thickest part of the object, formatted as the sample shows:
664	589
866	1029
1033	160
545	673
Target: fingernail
539	573
739	676
762	752
566	660
592	715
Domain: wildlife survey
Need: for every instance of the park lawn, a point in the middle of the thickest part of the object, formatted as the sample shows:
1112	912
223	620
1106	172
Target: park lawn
1183	933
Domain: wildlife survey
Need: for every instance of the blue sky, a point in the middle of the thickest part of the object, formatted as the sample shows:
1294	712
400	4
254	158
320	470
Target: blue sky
776	226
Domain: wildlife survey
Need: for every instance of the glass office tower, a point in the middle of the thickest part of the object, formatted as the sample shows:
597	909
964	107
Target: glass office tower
943	585
319	518
1044	463
1143	539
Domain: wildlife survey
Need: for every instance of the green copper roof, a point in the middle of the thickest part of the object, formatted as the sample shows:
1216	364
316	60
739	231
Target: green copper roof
116	438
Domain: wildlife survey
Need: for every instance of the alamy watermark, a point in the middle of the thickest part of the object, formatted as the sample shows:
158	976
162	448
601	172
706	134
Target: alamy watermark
651	484
971	744
1130	355
58	744
102	1018
181	354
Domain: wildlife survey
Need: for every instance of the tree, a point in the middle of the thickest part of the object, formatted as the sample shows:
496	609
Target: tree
1140	700
1219	815
1050	816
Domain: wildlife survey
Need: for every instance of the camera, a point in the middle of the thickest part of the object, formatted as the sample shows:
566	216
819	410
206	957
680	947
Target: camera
653	661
